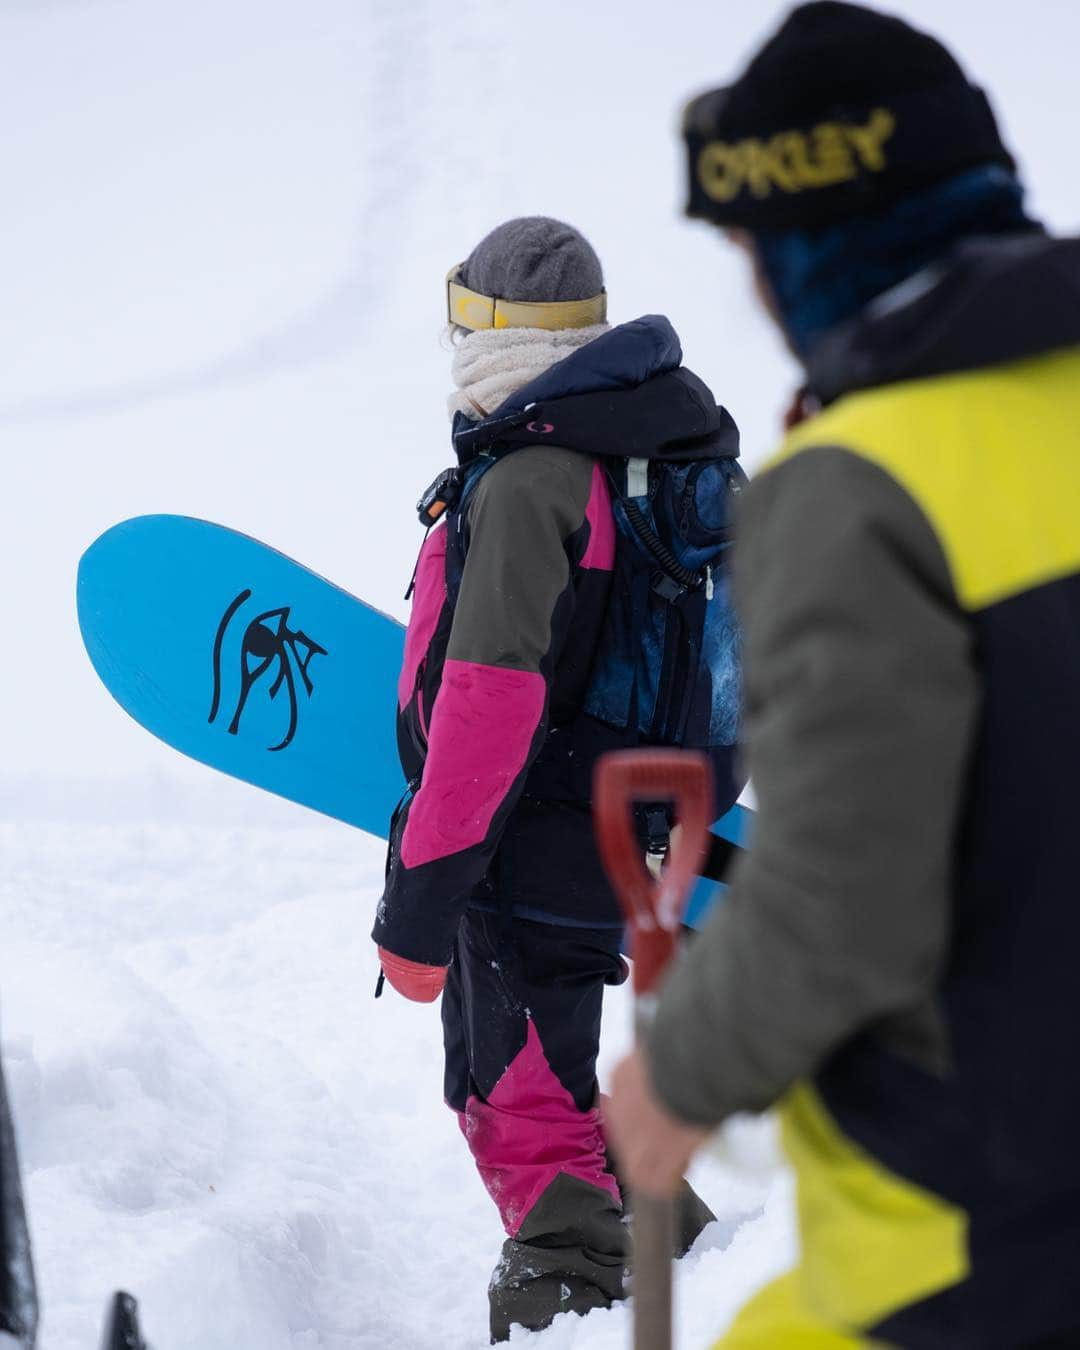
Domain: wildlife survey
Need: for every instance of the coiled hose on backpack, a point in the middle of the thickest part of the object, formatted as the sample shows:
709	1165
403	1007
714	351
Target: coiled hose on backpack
659	550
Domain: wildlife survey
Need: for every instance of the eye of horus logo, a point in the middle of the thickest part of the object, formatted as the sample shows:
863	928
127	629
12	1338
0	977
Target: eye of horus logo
269	648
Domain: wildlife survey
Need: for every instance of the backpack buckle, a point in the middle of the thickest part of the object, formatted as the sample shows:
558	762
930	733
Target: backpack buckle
442	496
666	587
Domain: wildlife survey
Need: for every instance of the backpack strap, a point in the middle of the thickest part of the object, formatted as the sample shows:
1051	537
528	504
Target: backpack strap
445	497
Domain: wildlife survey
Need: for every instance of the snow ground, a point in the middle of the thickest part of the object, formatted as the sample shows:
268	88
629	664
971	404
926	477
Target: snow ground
215	1114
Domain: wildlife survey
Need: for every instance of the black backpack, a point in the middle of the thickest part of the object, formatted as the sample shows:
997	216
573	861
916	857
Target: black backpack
667	667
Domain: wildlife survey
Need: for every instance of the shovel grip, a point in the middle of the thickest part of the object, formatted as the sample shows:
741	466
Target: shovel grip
653	907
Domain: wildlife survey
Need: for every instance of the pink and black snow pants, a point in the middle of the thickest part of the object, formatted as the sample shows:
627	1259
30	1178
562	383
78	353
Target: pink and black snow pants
521	1025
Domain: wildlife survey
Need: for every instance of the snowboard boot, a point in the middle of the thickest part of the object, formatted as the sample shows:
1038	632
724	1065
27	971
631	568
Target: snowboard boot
569	1255
692	1214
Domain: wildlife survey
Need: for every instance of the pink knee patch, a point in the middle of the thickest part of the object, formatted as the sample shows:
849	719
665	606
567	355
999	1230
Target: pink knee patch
528	1131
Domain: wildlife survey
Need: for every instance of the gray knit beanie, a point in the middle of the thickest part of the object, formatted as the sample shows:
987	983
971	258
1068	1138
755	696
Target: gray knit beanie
534	259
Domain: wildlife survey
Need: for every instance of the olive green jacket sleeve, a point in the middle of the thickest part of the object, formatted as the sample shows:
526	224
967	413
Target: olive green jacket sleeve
860	701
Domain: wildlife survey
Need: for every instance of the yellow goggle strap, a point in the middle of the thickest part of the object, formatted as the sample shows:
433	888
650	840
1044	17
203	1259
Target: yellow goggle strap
472	310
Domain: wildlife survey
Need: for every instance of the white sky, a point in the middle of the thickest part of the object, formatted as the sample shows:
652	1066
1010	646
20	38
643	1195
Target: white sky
225	232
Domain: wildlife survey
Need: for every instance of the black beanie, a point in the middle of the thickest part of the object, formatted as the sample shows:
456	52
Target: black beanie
842	111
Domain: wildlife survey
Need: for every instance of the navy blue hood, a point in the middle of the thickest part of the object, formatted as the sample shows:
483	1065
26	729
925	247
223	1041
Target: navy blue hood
625	393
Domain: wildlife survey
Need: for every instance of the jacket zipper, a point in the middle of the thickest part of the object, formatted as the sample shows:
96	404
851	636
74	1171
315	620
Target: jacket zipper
414	719
420	718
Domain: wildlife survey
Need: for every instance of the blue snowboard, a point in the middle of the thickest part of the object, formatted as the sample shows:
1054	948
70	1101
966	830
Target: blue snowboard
241	658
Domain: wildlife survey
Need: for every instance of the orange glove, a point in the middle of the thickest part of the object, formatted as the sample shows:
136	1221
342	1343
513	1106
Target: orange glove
414	980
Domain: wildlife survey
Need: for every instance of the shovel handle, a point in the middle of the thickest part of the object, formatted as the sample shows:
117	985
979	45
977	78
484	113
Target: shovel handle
653	906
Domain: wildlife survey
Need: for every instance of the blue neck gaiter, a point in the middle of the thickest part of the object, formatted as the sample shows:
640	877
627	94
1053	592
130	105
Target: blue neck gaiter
824	276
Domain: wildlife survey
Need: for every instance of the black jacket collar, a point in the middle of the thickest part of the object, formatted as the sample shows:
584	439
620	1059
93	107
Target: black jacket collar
993	300
623	395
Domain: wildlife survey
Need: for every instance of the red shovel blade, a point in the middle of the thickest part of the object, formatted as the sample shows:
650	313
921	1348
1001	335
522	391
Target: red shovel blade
653	907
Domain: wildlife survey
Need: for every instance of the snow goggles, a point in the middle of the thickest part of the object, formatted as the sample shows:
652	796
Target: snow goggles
470	309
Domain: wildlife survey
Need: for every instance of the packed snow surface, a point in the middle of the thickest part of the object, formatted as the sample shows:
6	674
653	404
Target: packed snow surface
215	1113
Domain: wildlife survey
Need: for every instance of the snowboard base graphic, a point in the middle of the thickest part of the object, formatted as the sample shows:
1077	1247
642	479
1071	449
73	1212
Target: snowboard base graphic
237	656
